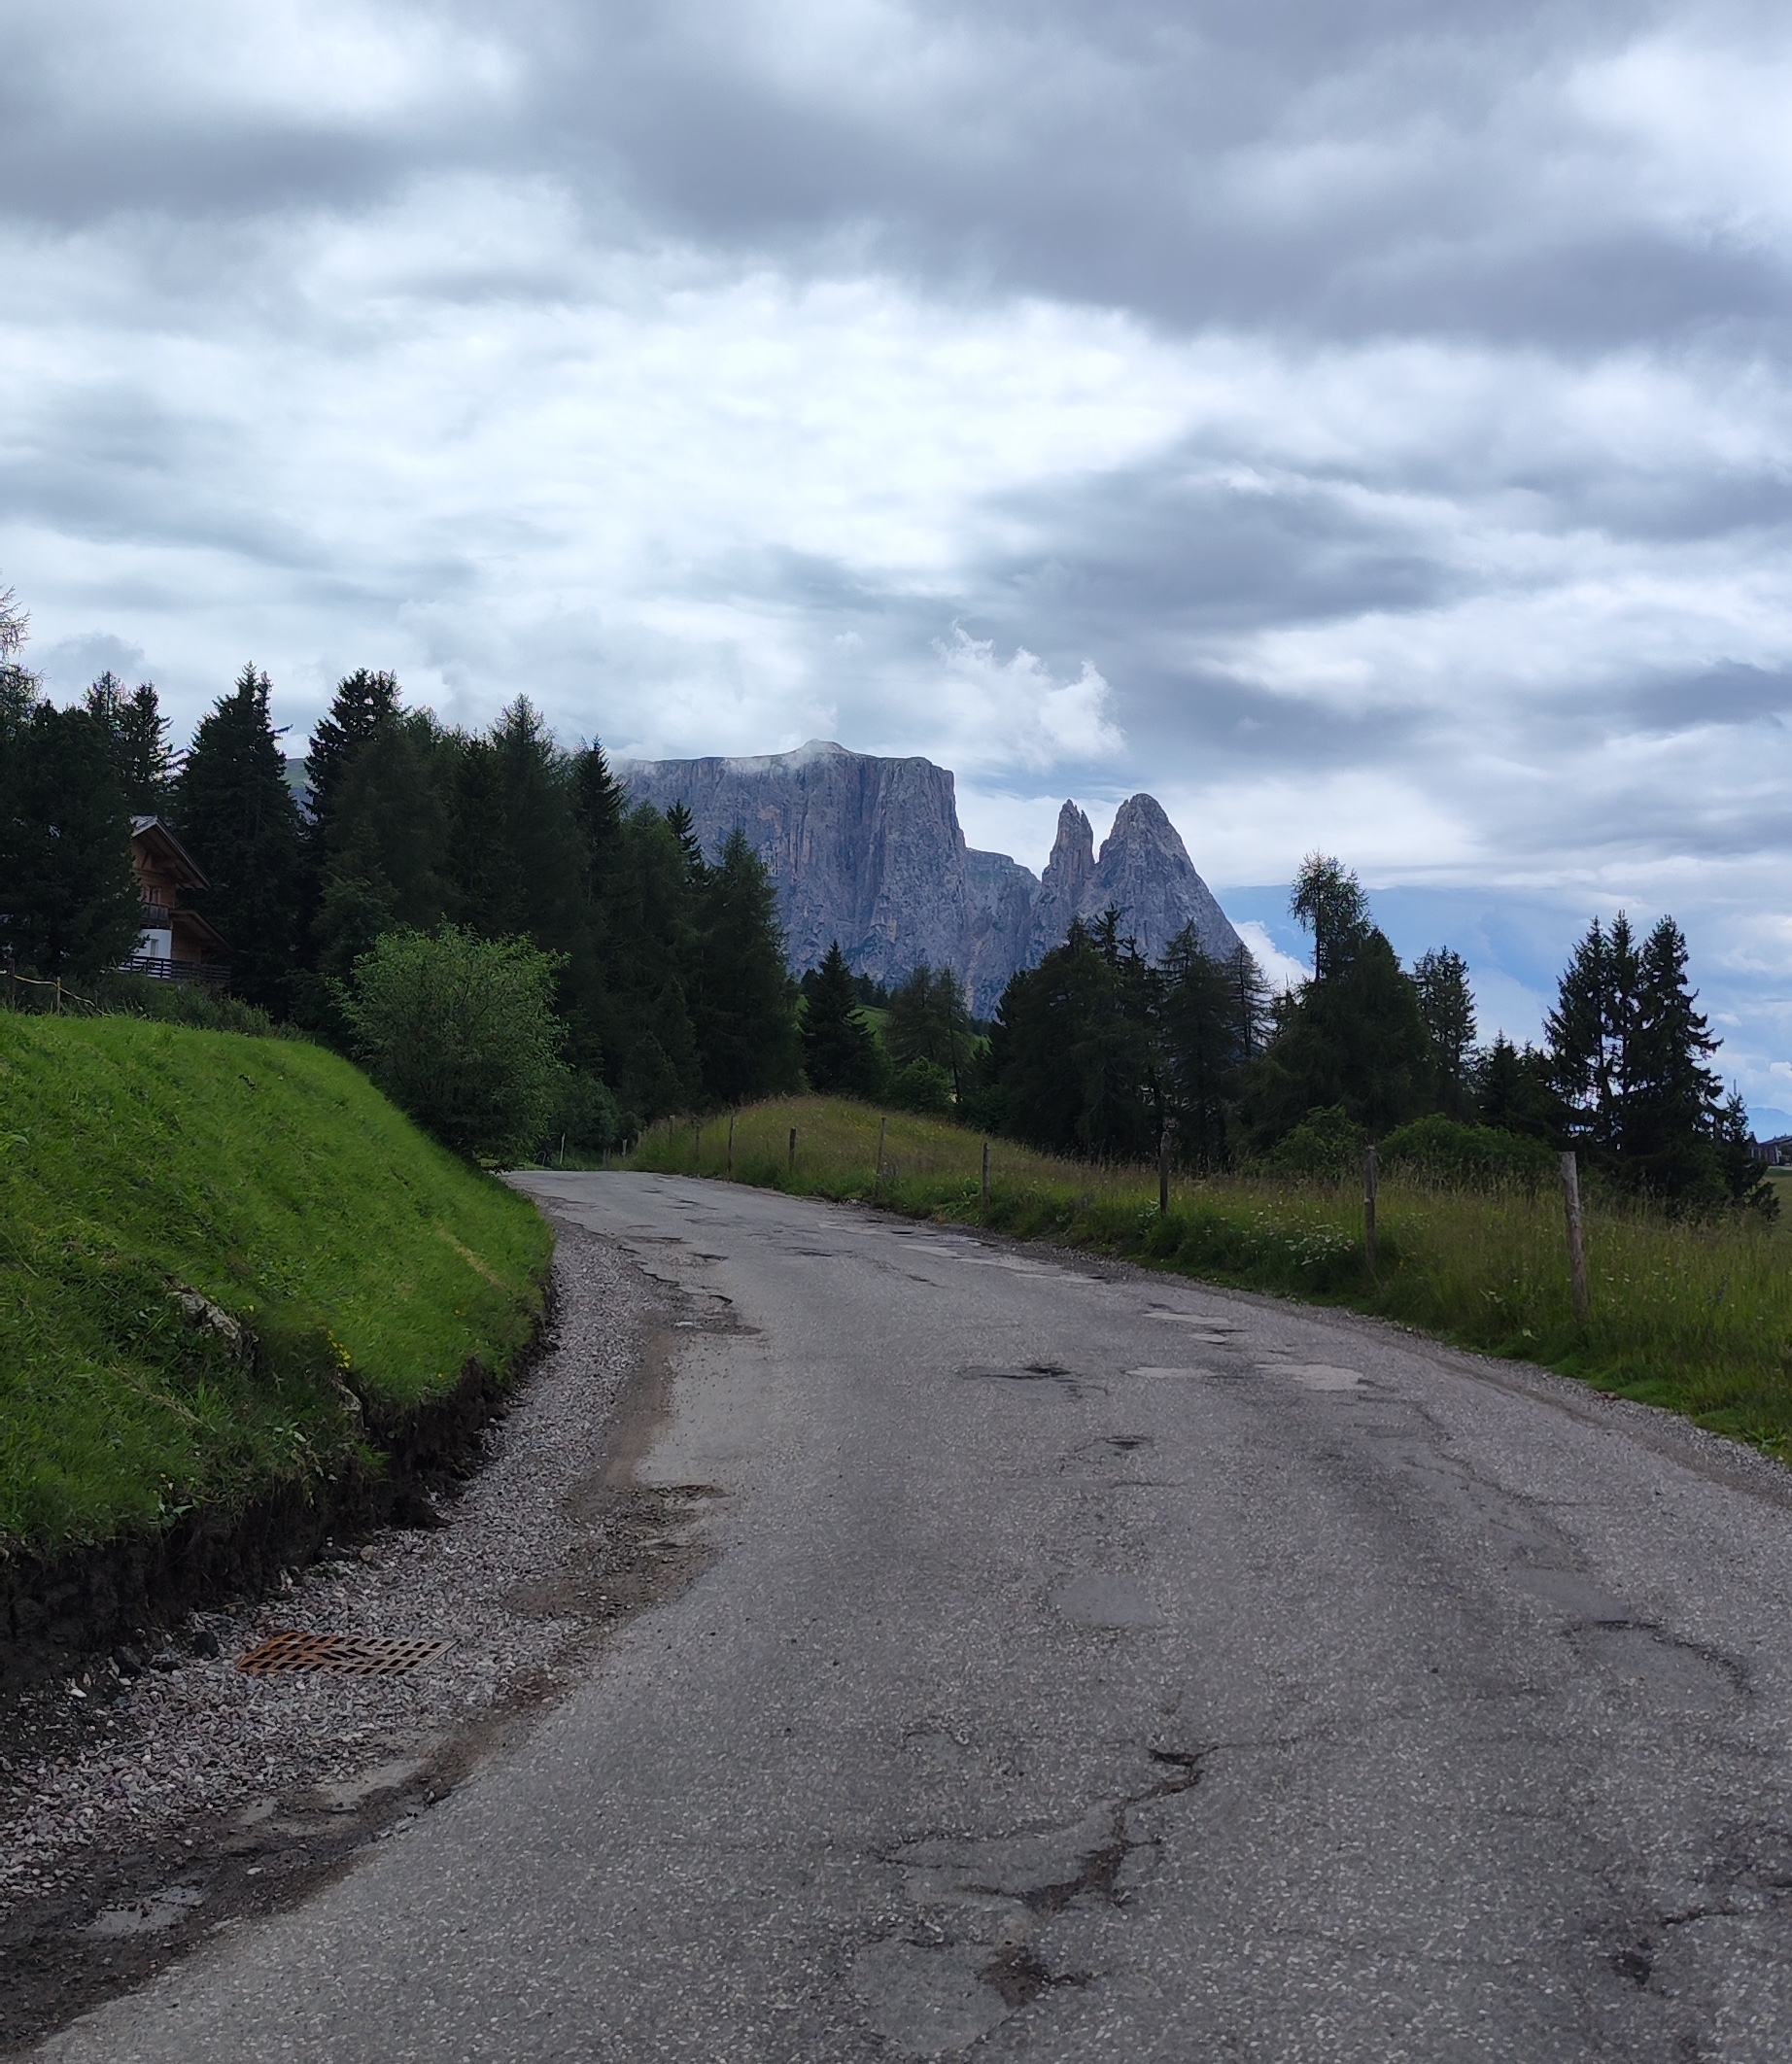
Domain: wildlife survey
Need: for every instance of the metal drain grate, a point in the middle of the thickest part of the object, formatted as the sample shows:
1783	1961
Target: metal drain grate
349	1655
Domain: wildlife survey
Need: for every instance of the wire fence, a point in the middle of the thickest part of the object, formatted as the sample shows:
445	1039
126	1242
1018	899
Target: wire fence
56	995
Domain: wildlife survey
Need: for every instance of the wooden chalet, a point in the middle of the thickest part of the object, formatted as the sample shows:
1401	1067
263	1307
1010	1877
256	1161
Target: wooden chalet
177	945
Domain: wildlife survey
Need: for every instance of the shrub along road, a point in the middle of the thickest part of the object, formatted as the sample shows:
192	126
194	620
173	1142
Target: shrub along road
1095	1665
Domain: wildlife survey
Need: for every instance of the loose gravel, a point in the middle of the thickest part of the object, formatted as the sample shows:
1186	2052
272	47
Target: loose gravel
162	1760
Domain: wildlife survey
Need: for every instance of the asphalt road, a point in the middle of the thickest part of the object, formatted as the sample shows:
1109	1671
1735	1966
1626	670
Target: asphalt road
1094	1666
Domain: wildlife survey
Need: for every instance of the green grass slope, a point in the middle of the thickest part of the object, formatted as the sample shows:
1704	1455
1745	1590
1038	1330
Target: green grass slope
1694	1317
144	1163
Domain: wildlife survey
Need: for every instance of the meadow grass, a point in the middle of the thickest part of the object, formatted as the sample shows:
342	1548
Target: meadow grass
1695	1317
140	1161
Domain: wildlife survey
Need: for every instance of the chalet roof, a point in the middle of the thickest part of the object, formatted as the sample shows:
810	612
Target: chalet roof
155	837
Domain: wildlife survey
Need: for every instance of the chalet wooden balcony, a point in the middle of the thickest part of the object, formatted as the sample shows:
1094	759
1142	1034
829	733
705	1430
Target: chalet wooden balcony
215	974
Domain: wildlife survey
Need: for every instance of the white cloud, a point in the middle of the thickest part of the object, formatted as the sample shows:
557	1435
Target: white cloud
991	713
1282	971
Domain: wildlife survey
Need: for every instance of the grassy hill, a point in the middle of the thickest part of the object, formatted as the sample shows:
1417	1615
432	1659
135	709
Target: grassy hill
227	1263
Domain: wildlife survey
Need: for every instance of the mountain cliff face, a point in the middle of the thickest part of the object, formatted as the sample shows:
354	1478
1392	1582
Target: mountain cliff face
1145	873
868	851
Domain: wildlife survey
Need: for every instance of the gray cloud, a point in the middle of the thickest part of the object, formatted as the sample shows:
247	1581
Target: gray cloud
1366	427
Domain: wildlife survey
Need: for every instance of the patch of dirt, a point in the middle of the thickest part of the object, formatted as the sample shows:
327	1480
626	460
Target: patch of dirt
159	1794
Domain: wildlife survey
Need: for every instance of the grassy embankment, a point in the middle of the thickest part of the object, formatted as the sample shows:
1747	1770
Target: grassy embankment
140	1161
1696	1318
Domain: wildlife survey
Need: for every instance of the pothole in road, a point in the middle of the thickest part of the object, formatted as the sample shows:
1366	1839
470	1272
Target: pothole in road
1072	1382
1315	1375
940	1994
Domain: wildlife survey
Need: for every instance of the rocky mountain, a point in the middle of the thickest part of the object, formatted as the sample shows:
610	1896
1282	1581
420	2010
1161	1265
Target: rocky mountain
868	851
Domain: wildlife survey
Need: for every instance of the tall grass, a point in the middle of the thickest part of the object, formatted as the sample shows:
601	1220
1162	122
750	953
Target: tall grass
1696	1317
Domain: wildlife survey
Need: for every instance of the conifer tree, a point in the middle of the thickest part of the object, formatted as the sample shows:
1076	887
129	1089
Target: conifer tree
384	844
929	1021
647	949
363	703
745	1004
1446	1003
540	829
69	904
483	874
1072	1064
840	1053
138	734
1354	1037
1629	1050
1514	1091
1206	1025
238	817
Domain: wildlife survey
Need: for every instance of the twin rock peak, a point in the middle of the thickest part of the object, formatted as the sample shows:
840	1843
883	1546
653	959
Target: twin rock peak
868	851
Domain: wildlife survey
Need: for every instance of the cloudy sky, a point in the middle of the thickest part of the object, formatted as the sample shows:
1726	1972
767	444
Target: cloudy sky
1367	426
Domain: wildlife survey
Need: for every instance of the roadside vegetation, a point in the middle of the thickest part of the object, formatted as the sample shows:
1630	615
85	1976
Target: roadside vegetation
1691	1313
225	1262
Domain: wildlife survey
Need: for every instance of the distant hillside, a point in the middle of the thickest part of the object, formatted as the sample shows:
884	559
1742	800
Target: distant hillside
868	851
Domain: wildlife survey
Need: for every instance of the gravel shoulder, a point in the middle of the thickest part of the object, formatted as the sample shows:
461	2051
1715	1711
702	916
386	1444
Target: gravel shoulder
144	1810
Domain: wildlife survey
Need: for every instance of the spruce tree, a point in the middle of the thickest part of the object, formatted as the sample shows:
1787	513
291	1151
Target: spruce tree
745	1004
648	952
363	703
1446	1003
483	874
1514	1091
384	844
69	903
1206	1026
541	828
1674	1101
1590	1032
138	734
1629	1050
840	1053
238	817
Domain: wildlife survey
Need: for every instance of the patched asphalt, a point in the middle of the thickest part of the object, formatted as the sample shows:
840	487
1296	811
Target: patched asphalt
1090	1665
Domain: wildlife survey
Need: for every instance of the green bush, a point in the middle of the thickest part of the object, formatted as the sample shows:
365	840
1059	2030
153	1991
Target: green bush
1327	1144
460	1032
923	1087
183	1003
1446	1150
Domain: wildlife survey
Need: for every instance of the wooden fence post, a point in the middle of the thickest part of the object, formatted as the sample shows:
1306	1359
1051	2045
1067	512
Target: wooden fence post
1369	1175
1577	1240
697	1148
877	1180
730	1145
985	1174
1163	1173
793	1149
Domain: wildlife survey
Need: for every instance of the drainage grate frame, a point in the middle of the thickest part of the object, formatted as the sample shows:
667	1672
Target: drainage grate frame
347	1655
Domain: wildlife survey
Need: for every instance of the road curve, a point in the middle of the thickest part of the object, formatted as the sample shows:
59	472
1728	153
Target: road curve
1093	1666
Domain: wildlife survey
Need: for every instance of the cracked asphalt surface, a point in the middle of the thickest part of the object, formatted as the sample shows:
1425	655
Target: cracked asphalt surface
1093	1666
